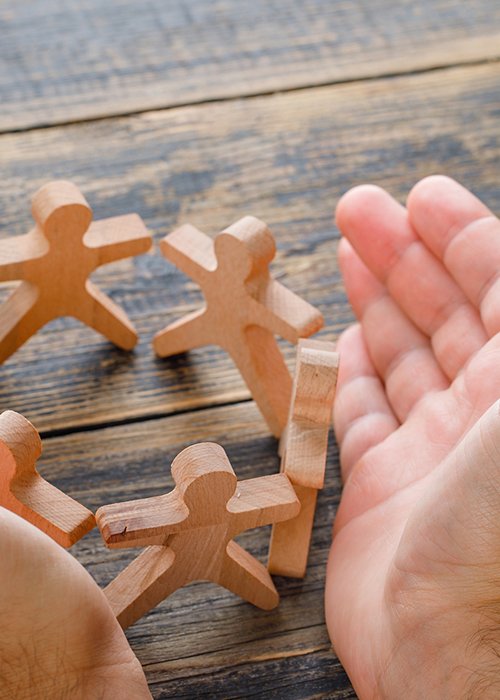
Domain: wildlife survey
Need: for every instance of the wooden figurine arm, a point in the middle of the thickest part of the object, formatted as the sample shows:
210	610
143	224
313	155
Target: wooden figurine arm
304	458
191	331
261	501
16	252
143	522
191	250
61	517
118	237
305	449
25	492
315	381
284	313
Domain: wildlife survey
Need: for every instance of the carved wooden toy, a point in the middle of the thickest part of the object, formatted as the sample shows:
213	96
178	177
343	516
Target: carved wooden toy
55	259
304	450
244	309
192	530
25	492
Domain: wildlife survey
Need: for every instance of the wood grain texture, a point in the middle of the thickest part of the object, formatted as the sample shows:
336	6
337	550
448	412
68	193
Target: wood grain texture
286	159
203	640
84	58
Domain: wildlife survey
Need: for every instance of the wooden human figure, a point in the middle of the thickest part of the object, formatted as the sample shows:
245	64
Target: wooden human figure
304	450
25	492
55	259
244	309
190	533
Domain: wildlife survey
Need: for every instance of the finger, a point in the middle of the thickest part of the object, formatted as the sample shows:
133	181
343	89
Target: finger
438	423
401	354
362	414
379	230
464	233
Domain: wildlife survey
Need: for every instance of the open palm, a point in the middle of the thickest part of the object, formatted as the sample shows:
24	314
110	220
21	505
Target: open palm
413	582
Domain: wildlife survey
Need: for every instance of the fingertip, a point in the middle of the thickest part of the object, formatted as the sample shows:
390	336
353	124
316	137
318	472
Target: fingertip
376	225
354	203
438	206
431	184
430	191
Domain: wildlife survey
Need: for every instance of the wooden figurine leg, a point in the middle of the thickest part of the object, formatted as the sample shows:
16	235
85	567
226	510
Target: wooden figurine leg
243	575
20	317
263	368
142	585
104	316
290	540
189	332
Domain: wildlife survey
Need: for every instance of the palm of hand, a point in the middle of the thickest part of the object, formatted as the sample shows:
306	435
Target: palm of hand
66	642
418	371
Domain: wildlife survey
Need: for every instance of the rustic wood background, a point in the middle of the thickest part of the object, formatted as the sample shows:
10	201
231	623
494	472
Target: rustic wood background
204	111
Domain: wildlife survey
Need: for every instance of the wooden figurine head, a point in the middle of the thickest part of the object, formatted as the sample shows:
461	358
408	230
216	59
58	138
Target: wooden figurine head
60	209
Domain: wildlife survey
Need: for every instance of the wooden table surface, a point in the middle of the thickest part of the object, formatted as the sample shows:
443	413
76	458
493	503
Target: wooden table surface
202	112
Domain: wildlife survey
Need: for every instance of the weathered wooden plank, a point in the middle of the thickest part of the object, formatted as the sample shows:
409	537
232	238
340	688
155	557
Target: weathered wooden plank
314	675
203	641
86	58
284	158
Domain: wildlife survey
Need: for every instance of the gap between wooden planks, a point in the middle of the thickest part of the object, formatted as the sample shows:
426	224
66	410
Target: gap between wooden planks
285	158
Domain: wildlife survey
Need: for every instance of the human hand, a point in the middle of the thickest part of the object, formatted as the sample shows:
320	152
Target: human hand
412	596
59	637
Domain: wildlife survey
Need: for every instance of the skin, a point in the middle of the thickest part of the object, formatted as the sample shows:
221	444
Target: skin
413	582
59	637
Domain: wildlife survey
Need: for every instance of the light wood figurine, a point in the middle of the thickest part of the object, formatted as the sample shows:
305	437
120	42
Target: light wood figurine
304	451
54	261
25	492
191	530
244	309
